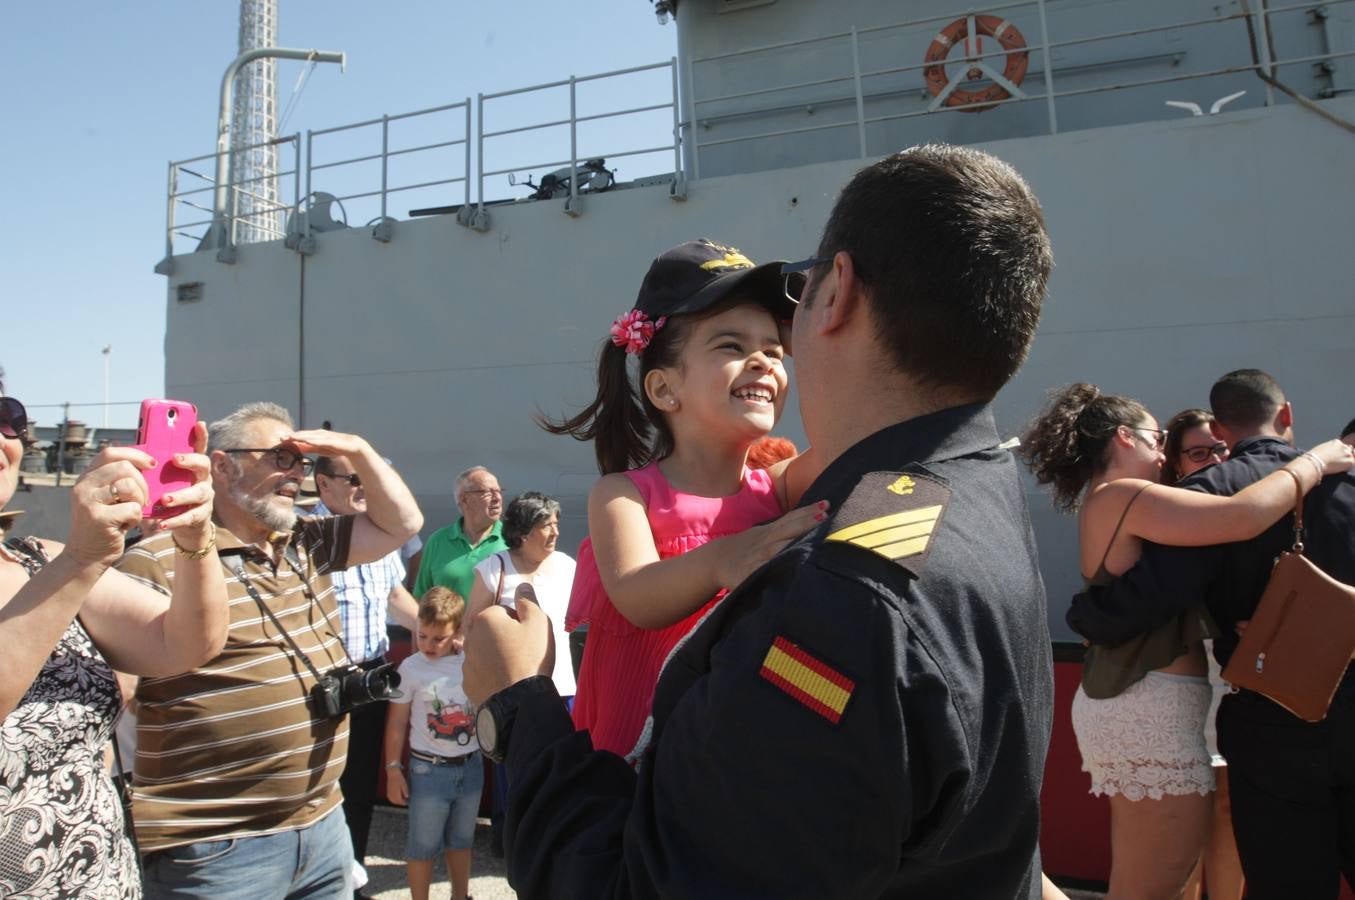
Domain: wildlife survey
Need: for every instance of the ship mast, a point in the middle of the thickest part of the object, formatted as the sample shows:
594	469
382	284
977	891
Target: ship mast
254	125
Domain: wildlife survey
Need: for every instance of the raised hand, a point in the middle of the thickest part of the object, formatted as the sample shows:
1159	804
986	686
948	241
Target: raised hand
1336	454
106	503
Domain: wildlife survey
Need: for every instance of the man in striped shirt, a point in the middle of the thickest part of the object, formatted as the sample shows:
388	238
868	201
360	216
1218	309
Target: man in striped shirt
236	771
365	594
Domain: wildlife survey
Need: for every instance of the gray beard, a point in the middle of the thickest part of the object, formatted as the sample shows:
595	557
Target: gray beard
265	512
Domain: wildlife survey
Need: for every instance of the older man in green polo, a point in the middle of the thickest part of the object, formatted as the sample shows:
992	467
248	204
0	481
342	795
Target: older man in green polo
451	554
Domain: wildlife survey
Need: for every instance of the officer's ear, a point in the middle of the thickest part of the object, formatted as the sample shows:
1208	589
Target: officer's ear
840	298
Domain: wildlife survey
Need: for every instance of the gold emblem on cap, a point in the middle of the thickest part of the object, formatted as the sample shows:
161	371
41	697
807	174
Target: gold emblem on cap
732	259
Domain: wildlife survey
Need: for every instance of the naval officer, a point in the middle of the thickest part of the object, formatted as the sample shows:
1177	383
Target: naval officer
867	715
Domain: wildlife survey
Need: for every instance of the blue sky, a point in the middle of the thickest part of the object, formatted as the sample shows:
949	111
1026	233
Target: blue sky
98	97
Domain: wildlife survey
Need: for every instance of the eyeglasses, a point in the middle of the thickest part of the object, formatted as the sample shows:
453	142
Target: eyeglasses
794	277
1200	454
1159	436
352	478
13	419
285	458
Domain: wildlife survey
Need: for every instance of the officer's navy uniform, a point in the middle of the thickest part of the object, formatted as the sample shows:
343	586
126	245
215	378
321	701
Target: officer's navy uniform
1292	783
866	716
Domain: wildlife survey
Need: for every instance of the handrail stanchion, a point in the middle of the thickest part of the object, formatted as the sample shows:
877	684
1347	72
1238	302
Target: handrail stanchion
679	188
694	156
306	216
1263	45
385	160
466	148
1048	68
860	98
572	207
480	152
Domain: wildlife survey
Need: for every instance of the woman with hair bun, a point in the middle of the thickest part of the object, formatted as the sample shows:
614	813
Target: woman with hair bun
1139	712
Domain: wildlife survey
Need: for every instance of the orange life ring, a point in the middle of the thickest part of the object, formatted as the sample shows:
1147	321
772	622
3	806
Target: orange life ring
1005	33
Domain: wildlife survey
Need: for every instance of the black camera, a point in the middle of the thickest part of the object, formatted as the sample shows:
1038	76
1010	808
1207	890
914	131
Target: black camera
346	687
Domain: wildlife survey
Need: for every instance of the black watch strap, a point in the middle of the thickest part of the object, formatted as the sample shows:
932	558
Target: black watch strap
503	706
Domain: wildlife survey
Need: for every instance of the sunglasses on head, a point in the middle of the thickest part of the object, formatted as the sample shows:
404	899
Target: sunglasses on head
1200	454
795	275
13	419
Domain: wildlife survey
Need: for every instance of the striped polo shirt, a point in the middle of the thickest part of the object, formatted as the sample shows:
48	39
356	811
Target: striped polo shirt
232	749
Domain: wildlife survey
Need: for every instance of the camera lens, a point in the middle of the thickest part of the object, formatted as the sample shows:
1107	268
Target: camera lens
370	686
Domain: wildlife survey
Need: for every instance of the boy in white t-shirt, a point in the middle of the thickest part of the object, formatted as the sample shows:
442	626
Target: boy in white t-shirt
446	773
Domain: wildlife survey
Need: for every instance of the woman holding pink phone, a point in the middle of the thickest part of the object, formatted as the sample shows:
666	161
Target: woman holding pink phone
67	620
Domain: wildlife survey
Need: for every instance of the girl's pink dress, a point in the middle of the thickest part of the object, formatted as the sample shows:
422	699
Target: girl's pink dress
621	662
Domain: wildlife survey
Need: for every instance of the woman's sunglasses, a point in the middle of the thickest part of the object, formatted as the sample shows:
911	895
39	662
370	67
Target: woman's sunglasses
1200	454
13	419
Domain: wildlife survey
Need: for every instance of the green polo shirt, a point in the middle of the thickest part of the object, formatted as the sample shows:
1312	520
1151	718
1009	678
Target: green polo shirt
450	560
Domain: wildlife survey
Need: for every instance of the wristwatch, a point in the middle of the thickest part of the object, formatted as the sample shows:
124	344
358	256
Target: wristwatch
494	719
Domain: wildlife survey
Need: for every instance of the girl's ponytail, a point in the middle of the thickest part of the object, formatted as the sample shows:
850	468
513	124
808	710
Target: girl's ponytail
615	421
1065	446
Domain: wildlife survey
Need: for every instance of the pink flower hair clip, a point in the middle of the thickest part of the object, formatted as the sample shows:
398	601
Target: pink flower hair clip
632	331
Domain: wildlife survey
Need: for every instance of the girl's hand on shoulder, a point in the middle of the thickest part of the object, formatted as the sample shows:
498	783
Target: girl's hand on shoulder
106	503
1336	454
741	554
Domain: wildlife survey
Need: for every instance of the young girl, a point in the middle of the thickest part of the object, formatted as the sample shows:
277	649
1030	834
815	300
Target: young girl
676	519
1139	712
446	774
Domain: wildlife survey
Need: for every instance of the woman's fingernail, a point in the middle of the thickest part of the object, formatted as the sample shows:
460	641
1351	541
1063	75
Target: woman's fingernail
819	517
178	457
169	499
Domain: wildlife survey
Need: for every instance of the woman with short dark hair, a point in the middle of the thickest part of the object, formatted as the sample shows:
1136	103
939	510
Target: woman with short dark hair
531	567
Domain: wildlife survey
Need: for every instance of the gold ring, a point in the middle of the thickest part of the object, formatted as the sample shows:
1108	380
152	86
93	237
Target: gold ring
113	492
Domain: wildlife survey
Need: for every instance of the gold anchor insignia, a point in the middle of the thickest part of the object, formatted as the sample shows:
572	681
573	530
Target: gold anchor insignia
903	485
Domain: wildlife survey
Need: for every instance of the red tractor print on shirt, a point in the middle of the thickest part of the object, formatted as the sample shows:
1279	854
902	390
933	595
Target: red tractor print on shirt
449	722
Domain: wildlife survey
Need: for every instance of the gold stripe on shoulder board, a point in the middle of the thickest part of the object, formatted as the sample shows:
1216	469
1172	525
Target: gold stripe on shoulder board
894	536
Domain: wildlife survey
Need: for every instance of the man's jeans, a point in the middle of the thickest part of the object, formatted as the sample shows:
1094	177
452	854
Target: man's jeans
1293	794
311	862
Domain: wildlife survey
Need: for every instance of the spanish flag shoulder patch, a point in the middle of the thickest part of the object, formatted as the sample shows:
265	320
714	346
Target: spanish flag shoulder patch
811	681
894	515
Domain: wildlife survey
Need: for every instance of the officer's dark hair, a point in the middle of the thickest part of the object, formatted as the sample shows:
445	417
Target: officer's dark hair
1068	443
1176	429
324	465
627	430
524	513
951	244
1245	398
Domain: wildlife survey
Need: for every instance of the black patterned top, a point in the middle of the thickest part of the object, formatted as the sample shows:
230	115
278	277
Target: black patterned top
61	822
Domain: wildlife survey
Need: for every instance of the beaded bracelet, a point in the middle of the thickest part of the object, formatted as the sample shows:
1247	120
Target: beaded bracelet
196	554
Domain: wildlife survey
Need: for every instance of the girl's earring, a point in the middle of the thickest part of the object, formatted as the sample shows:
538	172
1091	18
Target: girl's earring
672	401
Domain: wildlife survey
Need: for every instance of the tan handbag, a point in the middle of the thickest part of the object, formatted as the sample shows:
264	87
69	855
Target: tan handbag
1301	637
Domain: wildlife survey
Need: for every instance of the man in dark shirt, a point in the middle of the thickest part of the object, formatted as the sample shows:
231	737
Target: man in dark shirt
867	714
1292	782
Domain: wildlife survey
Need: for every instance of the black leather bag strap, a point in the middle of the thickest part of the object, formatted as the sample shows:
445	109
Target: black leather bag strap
237	567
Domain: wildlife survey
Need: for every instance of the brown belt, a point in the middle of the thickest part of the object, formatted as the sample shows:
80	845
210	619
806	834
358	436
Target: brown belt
436	760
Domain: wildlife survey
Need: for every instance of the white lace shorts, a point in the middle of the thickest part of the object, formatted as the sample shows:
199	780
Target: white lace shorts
1149	741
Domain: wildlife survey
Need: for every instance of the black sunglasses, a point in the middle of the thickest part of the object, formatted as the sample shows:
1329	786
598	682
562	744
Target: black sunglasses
1200	454
285	458
352	478
795	276
13	419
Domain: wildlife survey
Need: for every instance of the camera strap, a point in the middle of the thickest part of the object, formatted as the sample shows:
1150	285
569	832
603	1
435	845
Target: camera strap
237	567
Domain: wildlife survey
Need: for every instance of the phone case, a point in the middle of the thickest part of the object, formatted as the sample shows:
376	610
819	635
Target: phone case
165	428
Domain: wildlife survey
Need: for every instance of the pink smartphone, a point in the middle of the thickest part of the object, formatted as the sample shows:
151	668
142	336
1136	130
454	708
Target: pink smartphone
165	428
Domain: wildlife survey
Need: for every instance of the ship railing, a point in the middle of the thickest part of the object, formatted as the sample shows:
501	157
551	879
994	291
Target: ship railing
849	48
574	160
257	222
433	118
